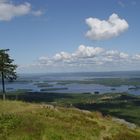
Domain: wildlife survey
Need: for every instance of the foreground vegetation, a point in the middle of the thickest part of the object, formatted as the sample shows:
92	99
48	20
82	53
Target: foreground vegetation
122	105
28	121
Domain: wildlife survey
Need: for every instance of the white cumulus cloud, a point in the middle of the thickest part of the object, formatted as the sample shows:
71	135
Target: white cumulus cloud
88	58
62	56
116	54
9	10
105	29
85	56
87	51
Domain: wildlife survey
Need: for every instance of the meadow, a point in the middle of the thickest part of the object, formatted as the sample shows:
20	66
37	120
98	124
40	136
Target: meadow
31	121
122	105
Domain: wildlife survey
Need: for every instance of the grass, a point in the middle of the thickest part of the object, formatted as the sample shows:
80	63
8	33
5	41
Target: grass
120	105
30	121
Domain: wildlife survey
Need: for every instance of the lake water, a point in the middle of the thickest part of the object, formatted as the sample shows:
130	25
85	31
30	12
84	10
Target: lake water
29	82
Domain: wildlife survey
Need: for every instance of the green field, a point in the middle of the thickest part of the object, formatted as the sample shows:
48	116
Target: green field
122	105
30	121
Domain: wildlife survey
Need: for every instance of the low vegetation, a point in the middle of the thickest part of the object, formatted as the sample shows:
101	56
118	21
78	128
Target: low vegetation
30	121
122	105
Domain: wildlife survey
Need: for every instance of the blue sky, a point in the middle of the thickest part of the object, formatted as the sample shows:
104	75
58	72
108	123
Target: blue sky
43	30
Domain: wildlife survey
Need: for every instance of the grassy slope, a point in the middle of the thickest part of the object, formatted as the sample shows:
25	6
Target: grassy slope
26	121
120	105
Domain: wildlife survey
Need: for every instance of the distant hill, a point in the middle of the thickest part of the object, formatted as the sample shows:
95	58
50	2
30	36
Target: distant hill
28	121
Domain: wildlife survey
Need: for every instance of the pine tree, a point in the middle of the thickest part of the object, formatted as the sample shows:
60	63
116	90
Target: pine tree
7	69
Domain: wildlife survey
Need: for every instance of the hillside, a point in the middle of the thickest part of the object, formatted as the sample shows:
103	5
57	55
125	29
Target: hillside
28	121
120	105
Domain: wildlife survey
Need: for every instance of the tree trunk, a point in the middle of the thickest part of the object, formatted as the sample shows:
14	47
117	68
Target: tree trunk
3	85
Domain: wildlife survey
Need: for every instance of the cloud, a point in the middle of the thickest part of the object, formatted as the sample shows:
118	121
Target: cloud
116	54
8	10
37	13
82	53
86	58
121	3
62	56
106	29
1	1
87	51
136	57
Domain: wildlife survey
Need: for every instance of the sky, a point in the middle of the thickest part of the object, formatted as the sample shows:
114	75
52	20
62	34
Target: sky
71	35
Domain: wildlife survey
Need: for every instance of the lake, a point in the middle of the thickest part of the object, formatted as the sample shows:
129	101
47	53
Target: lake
86	82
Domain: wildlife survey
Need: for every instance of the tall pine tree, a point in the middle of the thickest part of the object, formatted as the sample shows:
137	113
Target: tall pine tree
7	69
